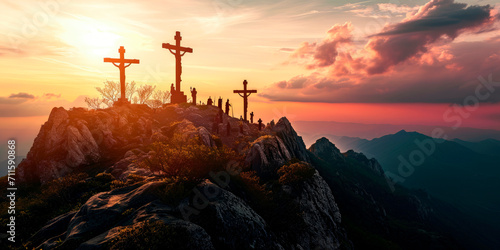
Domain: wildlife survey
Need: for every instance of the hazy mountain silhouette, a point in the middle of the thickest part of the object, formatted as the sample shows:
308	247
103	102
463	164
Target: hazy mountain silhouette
377	218
312	130
488	146
461	175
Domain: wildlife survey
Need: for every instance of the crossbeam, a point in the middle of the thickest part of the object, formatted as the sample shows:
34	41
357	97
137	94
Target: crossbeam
245	93
120	64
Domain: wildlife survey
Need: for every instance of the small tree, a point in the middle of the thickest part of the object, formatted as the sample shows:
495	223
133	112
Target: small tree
94	103
112	91
144	92
159	98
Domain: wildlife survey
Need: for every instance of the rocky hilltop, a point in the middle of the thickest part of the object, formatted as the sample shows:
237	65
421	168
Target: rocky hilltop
113	141
172	178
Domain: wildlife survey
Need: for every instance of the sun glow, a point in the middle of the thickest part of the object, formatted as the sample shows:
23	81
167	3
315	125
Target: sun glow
92	38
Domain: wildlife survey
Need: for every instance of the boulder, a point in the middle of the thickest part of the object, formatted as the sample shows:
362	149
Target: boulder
230	222
321	216
294	143
266	155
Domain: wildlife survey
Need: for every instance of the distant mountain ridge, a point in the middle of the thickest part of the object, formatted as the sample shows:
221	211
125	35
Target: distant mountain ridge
312	130
375	213
466	174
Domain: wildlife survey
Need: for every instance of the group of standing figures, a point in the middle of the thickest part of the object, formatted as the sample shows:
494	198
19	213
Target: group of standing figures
178	96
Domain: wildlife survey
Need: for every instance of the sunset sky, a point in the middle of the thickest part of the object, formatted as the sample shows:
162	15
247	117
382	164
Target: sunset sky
391	62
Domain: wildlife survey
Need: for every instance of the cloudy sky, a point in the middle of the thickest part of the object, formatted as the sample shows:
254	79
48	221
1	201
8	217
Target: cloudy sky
392	62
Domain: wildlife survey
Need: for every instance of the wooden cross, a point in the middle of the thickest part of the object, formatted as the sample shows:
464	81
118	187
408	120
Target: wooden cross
176	50
121	65
246	93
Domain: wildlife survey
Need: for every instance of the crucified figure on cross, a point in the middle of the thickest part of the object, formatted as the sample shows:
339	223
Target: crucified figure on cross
177	96
246	93
120	64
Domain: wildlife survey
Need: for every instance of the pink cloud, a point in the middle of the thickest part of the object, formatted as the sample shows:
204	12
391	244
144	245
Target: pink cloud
413	61
325	52
435	21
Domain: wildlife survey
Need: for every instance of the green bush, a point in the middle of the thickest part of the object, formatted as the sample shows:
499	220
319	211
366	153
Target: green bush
151	235
249	183
295	173
186	159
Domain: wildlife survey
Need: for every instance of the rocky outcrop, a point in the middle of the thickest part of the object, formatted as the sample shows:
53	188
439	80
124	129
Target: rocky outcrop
63	144
370	163
103	216
74	139
324	149
266	155
327	151
321	216
117	140
231	223
294	143
269	152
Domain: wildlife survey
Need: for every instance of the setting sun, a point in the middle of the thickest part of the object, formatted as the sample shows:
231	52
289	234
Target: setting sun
90	37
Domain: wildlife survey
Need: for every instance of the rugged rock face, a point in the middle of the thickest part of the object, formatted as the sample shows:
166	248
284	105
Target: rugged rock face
63	144
115	140
224	222
271	151
324	149
267	154
371	163
101	218
231	223
321	216
292	141
75	139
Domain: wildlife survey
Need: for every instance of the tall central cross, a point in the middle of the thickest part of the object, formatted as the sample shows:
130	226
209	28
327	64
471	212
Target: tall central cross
120	63
178	51
246	93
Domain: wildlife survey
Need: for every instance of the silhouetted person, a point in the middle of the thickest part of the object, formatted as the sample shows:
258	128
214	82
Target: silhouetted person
209	101
251	117
241	118
228	128
227	107
193	95
172	89
260	124
219	103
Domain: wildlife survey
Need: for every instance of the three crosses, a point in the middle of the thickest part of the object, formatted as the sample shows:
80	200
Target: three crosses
177	96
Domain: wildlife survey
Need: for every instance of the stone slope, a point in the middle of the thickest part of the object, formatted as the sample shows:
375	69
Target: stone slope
114	141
